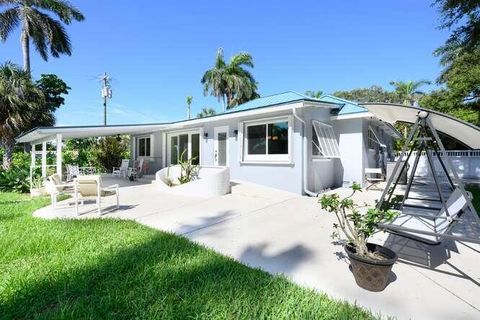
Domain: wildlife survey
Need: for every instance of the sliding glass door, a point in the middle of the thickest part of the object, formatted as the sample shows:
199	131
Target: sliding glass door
183	146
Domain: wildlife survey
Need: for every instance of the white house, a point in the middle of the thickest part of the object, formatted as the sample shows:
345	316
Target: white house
287	141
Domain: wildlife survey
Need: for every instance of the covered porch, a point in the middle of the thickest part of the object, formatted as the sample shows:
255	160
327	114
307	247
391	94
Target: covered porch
46	141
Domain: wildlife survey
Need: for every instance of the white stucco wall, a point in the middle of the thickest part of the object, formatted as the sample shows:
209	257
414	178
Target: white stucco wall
350	141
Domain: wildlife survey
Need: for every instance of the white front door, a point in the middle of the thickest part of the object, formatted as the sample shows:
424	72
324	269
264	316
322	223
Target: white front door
220	150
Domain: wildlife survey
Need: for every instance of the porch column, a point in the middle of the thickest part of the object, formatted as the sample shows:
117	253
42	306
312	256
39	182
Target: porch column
32	153
44	159
59	155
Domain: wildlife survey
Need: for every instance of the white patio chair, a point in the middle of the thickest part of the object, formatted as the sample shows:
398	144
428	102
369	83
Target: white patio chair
122	170
137	170
91	187
73	171
374	176
55	187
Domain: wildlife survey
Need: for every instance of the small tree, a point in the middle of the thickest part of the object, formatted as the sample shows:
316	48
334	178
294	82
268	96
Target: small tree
110	151
355	227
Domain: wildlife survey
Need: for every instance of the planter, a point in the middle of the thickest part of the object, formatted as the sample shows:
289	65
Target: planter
370	274
37	192
211	182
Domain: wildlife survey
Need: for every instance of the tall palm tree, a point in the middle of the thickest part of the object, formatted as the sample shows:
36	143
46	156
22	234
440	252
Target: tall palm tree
47	34
206	112
189	103
20	102
314	94
409	91
231	82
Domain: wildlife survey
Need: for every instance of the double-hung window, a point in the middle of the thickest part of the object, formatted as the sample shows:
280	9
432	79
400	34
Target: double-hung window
143	147
267	141
324	144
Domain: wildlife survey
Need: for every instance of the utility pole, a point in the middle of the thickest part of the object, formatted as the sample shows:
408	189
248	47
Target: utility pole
106	94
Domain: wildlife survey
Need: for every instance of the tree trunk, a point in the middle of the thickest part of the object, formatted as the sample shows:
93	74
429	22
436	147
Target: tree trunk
26	49
8	146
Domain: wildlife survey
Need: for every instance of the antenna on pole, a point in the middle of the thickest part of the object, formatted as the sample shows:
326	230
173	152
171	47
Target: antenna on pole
106	94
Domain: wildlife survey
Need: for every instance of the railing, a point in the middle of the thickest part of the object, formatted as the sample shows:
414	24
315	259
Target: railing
450	153
465	162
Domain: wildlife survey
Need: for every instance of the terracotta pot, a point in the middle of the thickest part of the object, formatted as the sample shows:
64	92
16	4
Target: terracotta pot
371	274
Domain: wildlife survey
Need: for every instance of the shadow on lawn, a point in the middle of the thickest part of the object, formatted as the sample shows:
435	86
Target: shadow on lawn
165	277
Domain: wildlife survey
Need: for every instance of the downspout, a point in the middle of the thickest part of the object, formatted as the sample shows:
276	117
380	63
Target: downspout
305	156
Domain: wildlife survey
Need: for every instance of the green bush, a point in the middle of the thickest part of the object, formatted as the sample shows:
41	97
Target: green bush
17	178
110	151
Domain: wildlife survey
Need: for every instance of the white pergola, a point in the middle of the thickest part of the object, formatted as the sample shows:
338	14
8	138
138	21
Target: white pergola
43	135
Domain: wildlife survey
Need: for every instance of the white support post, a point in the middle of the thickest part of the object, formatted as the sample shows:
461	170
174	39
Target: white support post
33	155
59	155
44	159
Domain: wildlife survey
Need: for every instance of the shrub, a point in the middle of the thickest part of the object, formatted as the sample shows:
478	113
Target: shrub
356	227
110	151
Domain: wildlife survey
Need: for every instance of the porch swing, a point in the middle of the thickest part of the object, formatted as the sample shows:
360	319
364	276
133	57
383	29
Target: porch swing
429	215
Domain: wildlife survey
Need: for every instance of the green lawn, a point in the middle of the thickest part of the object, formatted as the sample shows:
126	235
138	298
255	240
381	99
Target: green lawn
475	190
97	269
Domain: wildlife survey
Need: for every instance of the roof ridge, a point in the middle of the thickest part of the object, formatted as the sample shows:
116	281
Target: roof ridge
340	99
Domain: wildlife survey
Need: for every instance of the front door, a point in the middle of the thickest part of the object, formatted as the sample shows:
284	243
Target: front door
220	152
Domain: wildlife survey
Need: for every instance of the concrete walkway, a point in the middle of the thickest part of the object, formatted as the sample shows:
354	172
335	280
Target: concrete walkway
285	233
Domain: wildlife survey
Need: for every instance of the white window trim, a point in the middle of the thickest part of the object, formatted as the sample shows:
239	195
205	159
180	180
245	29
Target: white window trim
137	150
328	146
265	158
177	134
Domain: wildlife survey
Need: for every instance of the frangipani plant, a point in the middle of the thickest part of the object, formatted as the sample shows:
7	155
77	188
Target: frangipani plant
353	226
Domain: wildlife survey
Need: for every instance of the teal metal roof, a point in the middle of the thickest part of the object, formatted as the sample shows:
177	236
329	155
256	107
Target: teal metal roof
348	107
273	100
344	106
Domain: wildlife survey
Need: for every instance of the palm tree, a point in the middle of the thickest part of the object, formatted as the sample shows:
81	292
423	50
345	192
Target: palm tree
20	102
206	112
231	82
47	34
409	91
314	94
189	103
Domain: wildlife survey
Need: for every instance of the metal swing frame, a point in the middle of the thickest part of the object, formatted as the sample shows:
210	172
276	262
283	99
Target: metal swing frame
418	140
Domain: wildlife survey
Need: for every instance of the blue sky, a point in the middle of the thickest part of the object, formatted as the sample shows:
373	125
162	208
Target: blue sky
157	51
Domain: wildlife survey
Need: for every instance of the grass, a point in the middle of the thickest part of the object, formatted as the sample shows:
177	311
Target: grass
99	269
475	190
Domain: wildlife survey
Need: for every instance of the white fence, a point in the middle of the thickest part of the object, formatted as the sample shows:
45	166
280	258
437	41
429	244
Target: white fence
466	162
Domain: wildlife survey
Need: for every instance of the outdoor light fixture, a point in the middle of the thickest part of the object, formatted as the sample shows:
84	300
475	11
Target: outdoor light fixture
205	135
235	132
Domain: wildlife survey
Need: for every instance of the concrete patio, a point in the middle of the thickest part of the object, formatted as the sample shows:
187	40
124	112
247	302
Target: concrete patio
285	233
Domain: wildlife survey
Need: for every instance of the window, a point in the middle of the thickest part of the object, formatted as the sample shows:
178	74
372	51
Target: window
324	144
196	148
267	141
143	147
183	146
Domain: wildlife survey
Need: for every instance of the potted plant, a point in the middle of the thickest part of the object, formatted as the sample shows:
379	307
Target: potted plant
371	264
37	188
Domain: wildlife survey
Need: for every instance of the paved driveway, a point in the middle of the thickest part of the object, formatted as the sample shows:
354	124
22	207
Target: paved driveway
285	233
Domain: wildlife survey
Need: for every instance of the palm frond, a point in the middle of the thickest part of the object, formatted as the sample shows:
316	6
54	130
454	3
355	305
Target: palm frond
9	20
48	32
64	10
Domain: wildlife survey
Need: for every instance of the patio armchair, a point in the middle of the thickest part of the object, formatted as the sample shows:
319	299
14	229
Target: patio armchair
91	187
137	170
122	170
55	187
374	176
73	171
